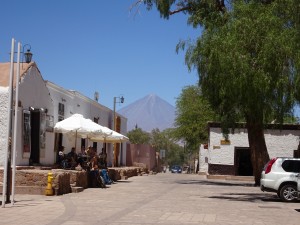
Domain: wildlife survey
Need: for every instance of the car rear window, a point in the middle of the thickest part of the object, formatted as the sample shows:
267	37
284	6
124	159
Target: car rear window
291	166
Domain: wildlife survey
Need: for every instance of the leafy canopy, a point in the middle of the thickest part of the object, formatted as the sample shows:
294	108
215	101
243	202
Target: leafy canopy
192	114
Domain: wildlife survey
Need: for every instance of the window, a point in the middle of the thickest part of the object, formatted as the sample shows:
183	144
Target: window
61	111
291	166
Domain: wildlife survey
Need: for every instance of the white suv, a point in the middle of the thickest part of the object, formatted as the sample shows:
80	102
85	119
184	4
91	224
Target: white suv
280	175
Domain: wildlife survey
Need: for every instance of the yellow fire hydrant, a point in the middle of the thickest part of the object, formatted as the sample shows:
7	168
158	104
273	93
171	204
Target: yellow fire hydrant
49	189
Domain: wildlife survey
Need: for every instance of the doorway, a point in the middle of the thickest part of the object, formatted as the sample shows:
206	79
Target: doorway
35	137
242	161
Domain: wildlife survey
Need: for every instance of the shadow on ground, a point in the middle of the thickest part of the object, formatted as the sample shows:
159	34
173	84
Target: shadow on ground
247	197
219	183
122	181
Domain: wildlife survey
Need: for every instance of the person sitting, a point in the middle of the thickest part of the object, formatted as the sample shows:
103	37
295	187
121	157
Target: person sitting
106	178
94	169
61	160
82	158
102	159
72	158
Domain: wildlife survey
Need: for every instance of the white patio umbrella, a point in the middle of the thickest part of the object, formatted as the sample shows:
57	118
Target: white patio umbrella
79	126
114	137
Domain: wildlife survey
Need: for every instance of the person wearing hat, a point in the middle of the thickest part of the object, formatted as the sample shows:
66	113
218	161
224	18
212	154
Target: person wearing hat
61	155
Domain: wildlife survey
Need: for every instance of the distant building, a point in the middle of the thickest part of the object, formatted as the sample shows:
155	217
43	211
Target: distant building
232	157
42	104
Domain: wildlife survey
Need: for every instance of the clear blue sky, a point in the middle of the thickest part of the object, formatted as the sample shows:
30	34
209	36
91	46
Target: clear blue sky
93	45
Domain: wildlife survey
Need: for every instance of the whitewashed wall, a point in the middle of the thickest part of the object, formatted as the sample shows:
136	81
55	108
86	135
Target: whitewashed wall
32	93
77	103
35	92
3	123
225	155
279	143
203	159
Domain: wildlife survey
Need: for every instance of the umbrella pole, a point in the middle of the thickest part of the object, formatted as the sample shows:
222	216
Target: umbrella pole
75	139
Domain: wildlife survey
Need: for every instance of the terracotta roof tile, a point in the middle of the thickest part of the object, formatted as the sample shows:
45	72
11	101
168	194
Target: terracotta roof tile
5	70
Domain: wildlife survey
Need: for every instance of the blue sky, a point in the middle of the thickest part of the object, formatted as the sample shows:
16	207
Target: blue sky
92	45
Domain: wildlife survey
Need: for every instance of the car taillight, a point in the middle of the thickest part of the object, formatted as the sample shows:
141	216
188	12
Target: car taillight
269	166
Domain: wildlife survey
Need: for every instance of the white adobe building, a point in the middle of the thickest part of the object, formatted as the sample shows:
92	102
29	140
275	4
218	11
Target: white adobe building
232	157
42	104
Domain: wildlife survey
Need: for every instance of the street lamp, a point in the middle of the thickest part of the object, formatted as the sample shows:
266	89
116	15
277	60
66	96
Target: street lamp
7	155
27	54
116	100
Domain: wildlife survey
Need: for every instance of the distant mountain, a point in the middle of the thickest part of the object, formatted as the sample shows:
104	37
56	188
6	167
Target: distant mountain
149	113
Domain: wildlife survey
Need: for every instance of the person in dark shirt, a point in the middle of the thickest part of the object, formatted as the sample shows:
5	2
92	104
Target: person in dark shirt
72	158
103	159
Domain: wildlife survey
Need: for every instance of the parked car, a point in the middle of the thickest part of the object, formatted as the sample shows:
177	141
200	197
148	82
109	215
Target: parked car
280	175
176	169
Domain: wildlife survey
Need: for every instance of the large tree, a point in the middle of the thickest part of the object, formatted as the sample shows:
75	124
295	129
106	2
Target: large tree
247	58
138	136
192	114
164	140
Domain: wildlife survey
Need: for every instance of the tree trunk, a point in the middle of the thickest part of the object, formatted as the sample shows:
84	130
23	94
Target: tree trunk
258	148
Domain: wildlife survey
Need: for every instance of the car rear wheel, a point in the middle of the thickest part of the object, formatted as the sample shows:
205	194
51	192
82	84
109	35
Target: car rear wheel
288	193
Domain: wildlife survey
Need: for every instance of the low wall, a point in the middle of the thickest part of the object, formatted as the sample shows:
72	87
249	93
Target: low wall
35	181
119	173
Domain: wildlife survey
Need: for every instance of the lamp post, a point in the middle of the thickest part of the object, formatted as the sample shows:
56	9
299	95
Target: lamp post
116	100
7	155
27	54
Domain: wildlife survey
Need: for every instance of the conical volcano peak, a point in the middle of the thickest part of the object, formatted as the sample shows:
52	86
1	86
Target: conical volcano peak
148	113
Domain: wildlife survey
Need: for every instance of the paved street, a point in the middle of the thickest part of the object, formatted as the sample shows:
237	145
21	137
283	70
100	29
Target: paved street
156	199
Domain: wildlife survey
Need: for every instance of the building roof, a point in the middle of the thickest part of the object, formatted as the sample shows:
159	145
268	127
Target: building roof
275	126
5	72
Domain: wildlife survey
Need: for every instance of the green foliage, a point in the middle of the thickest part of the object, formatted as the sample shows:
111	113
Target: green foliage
165	141
138	136
193	113
159	141
175	155
248	66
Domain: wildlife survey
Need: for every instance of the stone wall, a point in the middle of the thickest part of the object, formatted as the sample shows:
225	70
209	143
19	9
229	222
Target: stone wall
117	173
79	178
34	181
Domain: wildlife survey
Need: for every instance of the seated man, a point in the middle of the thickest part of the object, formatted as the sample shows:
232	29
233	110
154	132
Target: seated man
82	158
102	159
94	169
72	158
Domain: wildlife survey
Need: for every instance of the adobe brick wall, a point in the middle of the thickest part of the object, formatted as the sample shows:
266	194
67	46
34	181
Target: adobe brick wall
220	169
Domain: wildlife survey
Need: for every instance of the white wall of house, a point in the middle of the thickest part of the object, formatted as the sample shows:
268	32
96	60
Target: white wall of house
39	94
75	102
279	143
32	93
3	122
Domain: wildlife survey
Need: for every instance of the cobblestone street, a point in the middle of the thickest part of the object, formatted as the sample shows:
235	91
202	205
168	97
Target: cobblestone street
156	199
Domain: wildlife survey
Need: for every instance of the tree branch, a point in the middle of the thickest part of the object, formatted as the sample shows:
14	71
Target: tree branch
179	10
